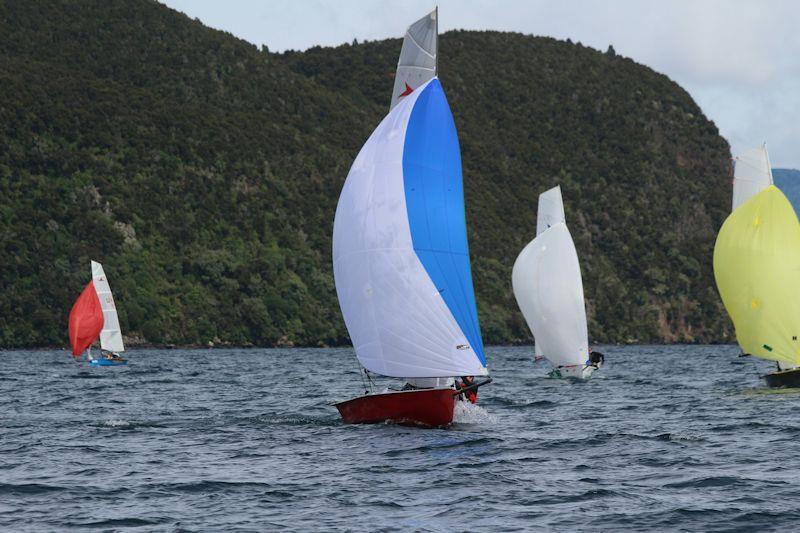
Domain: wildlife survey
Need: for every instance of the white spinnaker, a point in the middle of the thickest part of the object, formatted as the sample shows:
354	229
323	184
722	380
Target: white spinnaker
551	209
751	174
417	63
549	291
110	336
397	319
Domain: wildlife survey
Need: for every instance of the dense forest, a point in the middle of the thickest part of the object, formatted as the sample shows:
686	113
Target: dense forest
203	173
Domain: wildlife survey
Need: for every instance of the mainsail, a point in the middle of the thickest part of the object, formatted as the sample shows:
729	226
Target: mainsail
551	210
110	336
548	287
751	175
756	266
400	254
417	63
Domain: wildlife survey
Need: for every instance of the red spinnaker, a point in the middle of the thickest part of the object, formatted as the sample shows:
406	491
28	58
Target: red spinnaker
85	320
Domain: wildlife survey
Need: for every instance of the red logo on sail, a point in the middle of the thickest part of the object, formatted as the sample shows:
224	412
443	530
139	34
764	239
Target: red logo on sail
408	91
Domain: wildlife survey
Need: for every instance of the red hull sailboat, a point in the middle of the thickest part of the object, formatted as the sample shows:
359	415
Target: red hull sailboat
423	407
400	253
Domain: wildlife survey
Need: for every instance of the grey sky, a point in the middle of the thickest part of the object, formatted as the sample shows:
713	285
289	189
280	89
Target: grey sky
740	60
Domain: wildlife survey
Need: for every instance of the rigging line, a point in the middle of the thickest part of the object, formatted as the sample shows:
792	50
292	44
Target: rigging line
361	375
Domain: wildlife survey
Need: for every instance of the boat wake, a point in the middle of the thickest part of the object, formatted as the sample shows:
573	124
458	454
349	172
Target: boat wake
468	413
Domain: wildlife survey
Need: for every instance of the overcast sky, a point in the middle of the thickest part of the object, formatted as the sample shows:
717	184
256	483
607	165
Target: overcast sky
740	60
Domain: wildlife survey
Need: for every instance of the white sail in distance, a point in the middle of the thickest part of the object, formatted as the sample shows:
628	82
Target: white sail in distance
110	336
548	287
551	210
751	174
417	63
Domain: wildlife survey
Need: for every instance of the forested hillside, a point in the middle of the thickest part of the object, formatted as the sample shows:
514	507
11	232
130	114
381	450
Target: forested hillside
204	173
788	181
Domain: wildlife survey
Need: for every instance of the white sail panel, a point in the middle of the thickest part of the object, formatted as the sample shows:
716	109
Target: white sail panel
398	320
110	336
551	209
751	175
417	63
549	291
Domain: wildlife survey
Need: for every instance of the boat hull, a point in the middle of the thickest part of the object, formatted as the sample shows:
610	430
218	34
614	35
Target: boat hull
107	362
421	407
784	378
573	372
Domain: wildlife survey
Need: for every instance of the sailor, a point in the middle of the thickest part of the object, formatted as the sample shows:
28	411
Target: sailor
596	359
472	394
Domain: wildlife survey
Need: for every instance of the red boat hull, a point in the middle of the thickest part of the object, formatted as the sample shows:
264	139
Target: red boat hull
421	407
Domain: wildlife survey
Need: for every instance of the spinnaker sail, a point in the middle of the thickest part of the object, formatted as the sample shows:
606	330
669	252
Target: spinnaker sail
417	63
756	266
85	320
751	174
400	253
548	287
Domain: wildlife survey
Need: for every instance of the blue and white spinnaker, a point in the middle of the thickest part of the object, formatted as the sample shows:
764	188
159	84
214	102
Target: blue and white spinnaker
400	254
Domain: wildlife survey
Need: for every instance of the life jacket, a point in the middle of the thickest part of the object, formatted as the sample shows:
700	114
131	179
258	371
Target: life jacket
471	395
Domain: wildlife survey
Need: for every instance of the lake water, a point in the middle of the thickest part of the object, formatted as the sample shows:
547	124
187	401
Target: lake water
664	437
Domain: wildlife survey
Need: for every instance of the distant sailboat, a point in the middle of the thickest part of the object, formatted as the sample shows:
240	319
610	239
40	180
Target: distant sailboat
549	290
756	260
401	264
94	316
417	64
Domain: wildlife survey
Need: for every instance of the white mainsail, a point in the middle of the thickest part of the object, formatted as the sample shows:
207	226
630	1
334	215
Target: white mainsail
551	210
751	174
548	287
417	63
110	336
400	255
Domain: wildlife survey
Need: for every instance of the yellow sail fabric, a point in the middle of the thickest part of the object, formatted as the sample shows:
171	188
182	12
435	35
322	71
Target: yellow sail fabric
757	269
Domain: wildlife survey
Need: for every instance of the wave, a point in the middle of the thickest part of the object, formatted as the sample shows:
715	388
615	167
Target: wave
27	489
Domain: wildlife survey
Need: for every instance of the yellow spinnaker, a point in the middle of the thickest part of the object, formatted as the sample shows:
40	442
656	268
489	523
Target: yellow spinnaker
757	268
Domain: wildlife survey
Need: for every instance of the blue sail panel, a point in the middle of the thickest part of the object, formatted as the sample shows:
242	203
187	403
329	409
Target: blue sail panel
434	194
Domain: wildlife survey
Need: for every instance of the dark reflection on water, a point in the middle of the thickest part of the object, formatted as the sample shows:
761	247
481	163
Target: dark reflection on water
197	440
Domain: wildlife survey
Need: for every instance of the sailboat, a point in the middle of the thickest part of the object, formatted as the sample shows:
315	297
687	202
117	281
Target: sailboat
94	316
756	261
547	284
401	265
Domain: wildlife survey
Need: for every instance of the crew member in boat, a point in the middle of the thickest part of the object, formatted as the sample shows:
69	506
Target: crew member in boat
472	394
596	359
111	356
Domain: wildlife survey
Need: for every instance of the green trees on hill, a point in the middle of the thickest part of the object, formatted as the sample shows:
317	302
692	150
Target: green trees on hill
204	174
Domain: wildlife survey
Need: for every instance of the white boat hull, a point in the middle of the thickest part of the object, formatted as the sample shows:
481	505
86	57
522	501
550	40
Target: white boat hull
573	372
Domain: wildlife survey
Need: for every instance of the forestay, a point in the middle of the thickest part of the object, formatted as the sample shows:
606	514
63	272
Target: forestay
401	261
756	265
417	63
549	290
110	336
752	174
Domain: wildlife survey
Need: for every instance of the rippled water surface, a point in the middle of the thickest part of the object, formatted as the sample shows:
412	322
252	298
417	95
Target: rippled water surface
182	440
